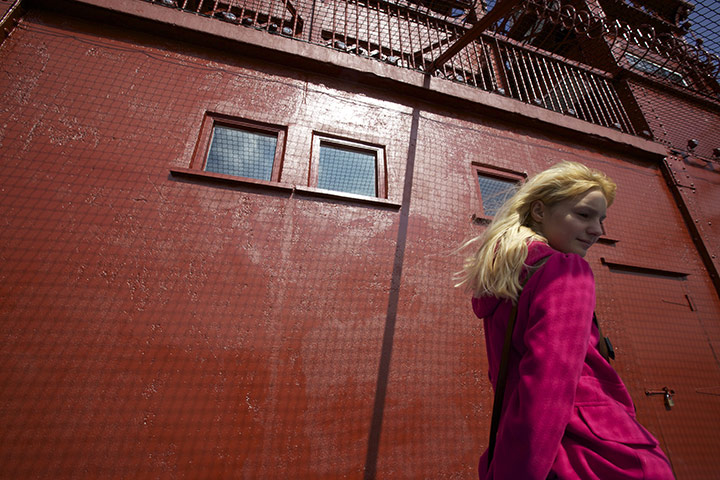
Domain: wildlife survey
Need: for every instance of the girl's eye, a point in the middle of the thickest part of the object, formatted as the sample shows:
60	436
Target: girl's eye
583	215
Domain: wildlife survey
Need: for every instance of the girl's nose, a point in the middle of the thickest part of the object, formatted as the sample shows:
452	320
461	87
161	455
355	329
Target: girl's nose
597	228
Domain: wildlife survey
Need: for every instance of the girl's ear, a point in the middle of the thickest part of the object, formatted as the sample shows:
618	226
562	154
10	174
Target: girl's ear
537	211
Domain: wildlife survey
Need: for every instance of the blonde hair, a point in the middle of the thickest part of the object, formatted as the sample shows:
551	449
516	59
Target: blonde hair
494	269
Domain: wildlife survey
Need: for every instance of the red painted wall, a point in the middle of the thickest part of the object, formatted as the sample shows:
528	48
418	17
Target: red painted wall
675	121
159	326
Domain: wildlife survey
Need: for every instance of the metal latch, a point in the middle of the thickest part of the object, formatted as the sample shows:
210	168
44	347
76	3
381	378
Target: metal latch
667	394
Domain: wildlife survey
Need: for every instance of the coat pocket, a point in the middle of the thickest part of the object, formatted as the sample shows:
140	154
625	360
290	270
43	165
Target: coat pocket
612	423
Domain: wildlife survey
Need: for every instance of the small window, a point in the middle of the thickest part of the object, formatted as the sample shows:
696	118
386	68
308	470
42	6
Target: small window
242	153
348	166
494	186
240	148
652	68
494	192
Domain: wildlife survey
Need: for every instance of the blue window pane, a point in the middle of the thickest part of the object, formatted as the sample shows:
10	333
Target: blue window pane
494	193
241	153
347	170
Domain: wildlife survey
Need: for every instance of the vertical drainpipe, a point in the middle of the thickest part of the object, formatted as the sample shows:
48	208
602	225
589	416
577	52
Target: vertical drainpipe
383	378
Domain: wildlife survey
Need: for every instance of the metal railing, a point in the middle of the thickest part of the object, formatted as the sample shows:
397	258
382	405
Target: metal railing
414	34
561	86
9	14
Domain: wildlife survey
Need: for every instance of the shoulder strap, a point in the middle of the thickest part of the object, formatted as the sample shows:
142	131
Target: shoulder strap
504	360
604	346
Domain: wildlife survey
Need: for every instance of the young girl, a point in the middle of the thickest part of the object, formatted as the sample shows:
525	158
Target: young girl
565	414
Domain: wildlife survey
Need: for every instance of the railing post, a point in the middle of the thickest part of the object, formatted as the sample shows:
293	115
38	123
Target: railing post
502	8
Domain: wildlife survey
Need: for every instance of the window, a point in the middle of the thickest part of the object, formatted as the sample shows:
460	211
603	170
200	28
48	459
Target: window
493	193
242	153
494	187
240	148
348	166
652	68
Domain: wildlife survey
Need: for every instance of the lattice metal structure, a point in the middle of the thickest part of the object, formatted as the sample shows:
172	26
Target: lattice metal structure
564	55
653	37
676	37
403	33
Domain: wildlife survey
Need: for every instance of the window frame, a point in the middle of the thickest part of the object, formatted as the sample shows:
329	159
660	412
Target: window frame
381	187
204	142
497	173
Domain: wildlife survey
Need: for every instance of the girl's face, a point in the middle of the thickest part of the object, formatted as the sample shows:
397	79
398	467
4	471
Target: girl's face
572	225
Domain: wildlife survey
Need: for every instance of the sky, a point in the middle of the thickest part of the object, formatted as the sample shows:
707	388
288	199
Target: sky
706	24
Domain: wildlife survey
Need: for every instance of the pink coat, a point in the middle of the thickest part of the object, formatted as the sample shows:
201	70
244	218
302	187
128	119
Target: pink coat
566	412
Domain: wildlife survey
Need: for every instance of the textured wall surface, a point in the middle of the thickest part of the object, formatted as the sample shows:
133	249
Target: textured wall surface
158	326
675	121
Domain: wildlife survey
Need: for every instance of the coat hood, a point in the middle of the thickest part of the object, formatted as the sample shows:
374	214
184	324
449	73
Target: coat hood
486	305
